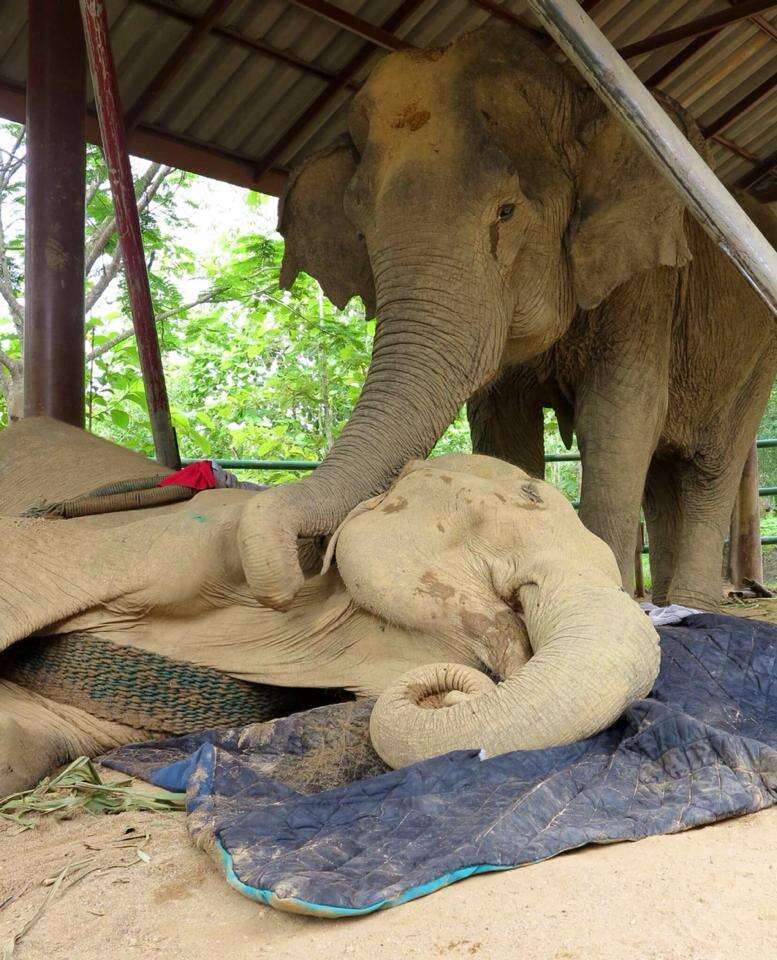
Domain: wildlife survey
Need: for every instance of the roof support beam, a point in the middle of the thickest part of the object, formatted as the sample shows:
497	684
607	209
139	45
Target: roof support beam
501	12
735	148
152	144
405	10
175	61
679	59
253	44
380	36
696	28
54	242
764	168
764	25
623	93
498	10
688	51
736	111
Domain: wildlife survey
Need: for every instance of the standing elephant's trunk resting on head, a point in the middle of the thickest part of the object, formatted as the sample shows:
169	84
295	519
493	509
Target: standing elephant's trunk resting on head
414	389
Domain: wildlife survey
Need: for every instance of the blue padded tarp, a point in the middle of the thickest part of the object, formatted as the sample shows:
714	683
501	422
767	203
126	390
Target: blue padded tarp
303	815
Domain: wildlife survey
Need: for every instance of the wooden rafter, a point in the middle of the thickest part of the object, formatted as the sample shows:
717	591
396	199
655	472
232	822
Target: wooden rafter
167	72
735	148
236	37
502	12
380	36
405	10
151	143
696	28
764	25
763	169
680	59
741	106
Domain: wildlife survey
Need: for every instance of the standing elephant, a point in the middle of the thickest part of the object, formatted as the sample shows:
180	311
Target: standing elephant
493	213
467	567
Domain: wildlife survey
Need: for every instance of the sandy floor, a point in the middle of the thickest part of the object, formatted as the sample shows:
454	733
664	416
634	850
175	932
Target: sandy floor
706	894
702	895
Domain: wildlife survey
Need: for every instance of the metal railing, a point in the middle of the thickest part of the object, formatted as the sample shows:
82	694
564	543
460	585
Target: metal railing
571	457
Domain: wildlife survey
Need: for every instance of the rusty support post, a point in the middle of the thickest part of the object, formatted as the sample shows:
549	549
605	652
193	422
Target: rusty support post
745	555
106	90
54	240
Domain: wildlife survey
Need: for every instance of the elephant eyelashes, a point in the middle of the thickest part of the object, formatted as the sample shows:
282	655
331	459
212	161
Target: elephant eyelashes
505	211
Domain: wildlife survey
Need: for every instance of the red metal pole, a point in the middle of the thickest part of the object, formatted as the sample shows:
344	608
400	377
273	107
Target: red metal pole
54	240
109	112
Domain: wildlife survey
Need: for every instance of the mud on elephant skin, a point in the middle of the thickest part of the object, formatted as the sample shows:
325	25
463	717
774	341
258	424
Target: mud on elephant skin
467	571
490	210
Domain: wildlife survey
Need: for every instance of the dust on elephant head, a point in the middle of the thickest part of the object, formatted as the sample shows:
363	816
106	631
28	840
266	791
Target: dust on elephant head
481	195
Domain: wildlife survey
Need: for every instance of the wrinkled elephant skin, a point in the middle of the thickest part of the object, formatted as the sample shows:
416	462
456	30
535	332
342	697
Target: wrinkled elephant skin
467	570
506	230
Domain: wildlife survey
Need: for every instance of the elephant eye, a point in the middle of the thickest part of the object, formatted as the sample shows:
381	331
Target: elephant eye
505	211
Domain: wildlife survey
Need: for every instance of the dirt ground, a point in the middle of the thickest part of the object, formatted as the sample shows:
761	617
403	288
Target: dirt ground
706	894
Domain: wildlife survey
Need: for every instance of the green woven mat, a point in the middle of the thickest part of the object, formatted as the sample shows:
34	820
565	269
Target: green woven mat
144	689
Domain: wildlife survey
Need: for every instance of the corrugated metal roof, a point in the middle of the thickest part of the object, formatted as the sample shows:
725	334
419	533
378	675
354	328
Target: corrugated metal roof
228	108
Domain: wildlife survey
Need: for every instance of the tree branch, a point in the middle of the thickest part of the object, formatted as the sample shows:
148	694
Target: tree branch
13	162
9	364
147	188
94	189
104	281
6	284
208	297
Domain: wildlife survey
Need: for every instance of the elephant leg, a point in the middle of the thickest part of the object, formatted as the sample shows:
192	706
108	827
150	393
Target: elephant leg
662	515
37	735
506	421
706	488
617	431
698	522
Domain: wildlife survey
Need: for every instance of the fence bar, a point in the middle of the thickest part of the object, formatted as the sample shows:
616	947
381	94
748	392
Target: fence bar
625	95
262	464
109	112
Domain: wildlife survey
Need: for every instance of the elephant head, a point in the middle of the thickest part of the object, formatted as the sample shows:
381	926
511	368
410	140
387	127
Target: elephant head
481	196
498	564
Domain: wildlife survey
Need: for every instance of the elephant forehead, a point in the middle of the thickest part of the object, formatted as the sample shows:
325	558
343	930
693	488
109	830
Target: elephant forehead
408	101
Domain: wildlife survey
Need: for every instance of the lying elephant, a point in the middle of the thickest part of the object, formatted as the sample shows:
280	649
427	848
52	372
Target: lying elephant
465	567
494	214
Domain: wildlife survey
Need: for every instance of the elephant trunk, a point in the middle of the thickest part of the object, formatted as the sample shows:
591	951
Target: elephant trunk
595	652
419	377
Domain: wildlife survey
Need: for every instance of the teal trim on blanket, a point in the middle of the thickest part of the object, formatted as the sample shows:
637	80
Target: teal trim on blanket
295	905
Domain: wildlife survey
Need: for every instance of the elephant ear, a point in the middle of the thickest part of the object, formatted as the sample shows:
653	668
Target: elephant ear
628	218
319	237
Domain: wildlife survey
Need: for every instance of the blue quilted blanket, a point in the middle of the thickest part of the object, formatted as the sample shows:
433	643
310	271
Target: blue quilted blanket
304	816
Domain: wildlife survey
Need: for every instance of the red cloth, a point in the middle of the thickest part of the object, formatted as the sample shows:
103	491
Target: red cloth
197	476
